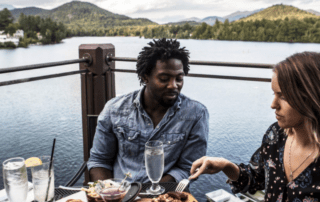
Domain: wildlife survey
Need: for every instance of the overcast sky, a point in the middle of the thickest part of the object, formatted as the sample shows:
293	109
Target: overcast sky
162	11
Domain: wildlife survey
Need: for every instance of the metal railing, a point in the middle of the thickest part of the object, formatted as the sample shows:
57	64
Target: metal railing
207	63
97	68
40	66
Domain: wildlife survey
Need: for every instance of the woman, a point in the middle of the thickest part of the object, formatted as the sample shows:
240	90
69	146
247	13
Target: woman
286	165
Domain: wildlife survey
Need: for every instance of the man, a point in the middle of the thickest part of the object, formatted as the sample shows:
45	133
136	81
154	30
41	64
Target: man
156	112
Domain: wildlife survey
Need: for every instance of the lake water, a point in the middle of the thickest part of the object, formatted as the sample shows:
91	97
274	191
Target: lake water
34	113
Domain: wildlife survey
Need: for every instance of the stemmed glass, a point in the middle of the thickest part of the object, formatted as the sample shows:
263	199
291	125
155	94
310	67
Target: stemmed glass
154	158
15	179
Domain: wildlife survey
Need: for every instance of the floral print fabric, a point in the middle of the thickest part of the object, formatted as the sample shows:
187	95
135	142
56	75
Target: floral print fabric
266	172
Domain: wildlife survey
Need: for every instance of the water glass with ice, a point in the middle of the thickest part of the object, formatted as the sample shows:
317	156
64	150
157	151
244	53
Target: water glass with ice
15	179
40	180
154	159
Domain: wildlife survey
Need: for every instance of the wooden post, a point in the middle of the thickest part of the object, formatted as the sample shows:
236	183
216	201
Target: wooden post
97	87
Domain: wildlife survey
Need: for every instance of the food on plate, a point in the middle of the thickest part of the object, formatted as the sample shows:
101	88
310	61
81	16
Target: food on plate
90	192
92	195
112	190
113	194
143	200
32	162
170	197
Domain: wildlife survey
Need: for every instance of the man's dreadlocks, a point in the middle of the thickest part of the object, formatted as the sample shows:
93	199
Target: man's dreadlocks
162	49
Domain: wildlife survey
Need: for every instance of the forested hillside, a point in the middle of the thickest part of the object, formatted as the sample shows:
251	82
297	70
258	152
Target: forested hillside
306	30
81	17
26	11
280	12
278	23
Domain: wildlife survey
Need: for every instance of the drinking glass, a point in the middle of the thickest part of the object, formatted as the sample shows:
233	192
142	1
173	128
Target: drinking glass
15	179
40	180
154	158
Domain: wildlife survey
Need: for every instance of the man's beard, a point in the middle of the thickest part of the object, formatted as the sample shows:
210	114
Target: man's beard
168	103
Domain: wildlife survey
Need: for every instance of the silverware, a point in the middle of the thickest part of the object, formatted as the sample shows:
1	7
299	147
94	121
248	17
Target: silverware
69	188
182	185
144	194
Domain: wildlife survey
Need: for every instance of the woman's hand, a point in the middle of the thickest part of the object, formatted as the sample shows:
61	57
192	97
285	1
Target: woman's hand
207	165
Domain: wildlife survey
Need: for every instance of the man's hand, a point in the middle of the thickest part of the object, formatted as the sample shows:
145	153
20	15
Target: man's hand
100	174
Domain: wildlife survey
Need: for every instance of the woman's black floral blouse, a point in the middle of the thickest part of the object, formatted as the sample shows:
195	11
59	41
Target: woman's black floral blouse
266	171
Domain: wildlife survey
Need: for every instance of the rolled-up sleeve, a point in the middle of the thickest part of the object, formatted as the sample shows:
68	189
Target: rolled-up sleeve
105	144
195	147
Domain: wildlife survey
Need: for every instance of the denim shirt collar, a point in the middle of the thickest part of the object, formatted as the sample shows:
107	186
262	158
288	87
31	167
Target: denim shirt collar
138	102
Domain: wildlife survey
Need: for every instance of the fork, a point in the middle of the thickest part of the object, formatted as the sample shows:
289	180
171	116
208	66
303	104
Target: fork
182	185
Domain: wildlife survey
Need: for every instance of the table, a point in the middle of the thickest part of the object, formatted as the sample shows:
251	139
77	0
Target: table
61	193
169	186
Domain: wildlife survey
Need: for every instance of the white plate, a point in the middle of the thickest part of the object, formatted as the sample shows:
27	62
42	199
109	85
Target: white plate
221	195
79	195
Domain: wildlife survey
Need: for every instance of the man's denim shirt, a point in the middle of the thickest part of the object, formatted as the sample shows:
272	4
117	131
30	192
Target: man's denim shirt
124	127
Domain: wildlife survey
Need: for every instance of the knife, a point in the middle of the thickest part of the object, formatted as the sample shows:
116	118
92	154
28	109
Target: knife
70	188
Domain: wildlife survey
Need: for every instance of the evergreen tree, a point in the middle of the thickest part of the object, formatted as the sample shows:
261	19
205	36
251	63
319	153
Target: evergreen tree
6	18
11	28
217	23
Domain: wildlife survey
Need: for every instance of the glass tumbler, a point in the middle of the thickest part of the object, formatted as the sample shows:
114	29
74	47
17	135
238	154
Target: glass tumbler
15	179
40	180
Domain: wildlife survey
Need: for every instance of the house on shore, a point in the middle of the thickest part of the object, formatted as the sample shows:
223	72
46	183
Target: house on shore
15	38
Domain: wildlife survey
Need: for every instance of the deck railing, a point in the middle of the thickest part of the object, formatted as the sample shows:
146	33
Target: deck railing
97	68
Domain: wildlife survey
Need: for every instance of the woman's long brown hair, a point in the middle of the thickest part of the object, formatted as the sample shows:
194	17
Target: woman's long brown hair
299	81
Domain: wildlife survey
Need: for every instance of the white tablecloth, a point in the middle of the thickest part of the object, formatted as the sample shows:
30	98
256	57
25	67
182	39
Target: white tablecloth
79	195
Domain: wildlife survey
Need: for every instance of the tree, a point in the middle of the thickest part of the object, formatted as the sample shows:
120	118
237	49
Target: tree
6	18
217	23
186	27
11	29
199	30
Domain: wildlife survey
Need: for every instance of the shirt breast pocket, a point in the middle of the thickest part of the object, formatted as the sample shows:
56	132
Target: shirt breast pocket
173	145
129	141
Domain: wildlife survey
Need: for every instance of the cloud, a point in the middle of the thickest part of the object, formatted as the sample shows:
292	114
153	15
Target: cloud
288	2
35	3
301	4
162	10
171	18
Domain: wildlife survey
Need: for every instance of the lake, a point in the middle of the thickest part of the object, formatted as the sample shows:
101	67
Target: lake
34	113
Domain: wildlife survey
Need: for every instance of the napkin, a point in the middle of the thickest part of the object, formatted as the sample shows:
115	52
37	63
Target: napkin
79	195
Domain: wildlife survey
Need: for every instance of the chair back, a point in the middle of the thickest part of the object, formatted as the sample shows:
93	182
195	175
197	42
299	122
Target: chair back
92	124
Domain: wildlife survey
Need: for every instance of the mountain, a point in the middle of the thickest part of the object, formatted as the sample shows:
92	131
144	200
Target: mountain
211	20
280	11
9	7
27	11
192	23
78	15
192	19
240	14
313	12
